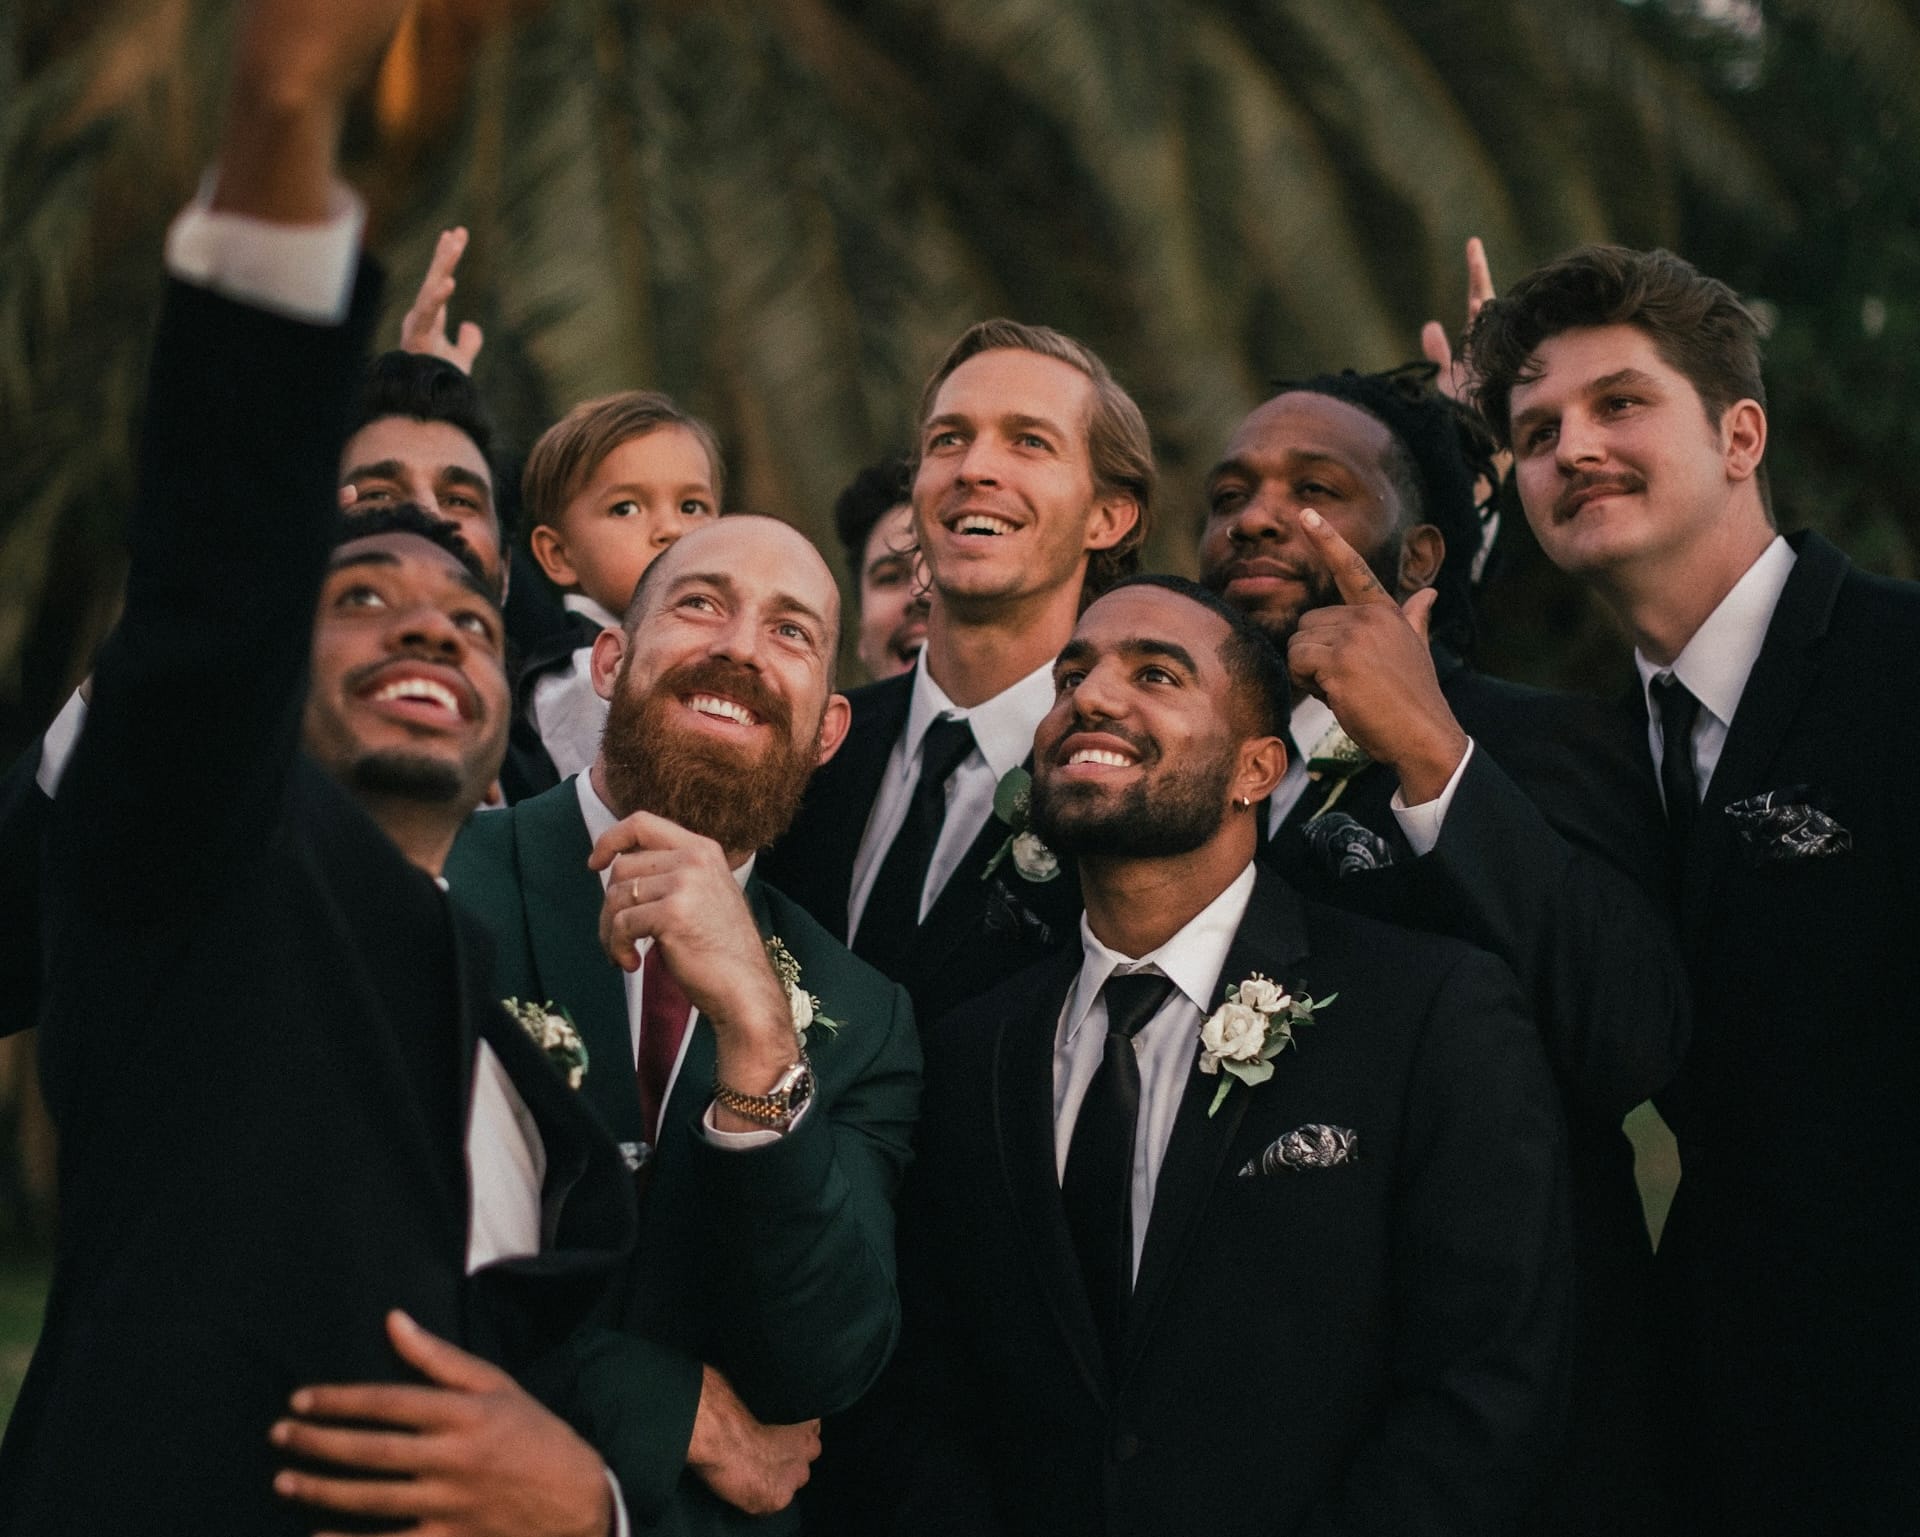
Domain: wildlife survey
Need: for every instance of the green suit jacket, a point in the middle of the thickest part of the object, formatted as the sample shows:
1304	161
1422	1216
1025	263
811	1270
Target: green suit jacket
776	1264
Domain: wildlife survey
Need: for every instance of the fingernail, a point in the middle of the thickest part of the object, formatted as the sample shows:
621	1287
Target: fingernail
278	1435
404	1320
1311	518
283	1483
302	1401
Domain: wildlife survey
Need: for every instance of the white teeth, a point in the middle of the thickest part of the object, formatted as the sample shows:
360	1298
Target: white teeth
726	709
421	688
983	523
1097	755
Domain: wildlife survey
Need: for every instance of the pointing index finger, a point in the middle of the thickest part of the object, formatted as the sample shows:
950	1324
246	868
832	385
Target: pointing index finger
1351	574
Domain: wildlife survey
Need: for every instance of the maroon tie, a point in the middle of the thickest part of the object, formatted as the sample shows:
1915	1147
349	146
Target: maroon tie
664	1011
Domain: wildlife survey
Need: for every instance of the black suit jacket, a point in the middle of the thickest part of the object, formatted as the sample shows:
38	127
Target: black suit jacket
260	1019
1375	1347
1790	1261
980	930
24	812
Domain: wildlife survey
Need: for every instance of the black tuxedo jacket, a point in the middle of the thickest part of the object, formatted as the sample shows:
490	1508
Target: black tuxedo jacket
528	769
1550	858
980	930
1376	1347
260	1020
24	811
1790	1260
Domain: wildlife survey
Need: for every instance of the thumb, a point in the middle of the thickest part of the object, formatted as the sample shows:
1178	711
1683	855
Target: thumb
447	1365
1418	610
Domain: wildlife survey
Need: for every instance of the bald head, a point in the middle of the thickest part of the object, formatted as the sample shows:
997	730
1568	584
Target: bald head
775	560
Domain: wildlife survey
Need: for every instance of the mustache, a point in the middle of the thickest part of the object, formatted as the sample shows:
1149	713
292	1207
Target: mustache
1587	482
1142	744
716	675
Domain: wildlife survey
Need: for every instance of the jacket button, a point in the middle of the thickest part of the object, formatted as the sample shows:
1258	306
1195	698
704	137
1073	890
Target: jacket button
1126	1446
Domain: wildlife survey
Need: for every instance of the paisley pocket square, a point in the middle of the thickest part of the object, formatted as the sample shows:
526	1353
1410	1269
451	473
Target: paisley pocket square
1345	847
1312	1146
1779	826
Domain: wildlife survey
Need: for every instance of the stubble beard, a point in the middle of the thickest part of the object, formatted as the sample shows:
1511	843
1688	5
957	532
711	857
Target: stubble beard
740	800
1147	820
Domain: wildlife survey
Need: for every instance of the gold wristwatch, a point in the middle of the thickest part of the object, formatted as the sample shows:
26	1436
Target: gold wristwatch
779	1105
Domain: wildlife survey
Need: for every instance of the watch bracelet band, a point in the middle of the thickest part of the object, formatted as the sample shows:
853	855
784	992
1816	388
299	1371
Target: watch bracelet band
773	1109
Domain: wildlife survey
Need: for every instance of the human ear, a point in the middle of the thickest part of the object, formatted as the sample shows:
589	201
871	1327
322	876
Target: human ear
1422	552
550	550
609	647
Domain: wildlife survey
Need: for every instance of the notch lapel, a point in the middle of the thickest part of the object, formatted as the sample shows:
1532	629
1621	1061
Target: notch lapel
816	869
562	900
1271	939
1023	1134
1775	692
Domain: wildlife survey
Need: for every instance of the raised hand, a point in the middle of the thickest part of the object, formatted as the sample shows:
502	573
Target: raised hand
1367	658
753	1467
1435	346
424	327
675	888
472	1455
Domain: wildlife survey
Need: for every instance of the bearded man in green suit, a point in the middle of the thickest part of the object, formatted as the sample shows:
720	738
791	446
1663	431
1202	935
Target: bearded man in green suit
762	1080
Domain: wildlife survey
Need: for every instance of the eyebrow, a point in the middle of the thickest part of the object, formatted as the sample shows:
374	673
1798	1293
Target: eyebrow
1239	466
783	602
465	577
1612	381
1133	645
393	469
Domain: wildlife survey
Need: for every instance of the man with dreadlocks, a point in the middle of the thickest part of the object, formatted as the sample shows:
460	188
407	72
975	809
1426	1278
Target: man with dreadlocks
1345	518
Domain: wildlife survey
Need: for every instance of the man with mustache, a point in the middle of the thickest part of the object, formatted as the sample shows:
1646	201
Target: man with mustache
1775	699
1342	520
1033	475
295	1136
1146	1294
762	1080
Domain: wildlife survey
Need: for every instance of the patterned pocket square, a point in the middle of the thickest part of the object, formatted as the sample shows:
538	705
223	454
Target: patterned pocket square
1344	846
1312	1146
1780	826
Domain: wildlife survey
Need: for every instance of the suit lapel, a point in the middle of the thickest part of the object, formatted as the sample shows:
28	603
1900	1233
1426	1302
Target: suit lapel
1023	1134
1271	939
1776	691
848	785
562	900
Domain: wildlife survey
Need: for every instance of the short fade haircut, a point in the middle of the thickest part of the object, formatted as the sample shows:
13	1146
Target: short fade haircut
1119	447
869	497
425	389
412	518
1252	660
568	452
1696	323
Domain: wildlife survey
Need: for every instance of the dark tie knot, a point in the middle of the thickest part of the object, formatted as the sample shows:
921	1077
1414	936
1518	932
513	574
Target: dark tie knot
1677	706
943	749
1132	1000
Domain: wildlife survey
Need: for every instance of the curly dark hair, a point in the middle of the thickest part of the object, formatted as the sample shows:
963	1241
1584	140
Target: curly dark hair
412	518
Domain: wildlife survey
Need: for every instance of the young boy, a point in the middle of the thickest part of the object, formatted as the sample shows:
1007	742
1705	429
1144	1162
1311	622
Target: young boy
606	489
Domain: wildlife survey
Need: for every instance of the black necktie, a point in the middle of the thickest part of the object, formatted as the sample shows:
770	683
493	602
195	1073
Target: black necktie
891	917
1678	783
1097	1188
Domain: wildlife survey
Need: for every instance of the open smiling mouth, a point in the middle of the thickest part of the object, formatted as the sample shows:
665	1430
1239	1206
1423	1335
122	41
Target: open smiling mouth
714	707
420	700
984	524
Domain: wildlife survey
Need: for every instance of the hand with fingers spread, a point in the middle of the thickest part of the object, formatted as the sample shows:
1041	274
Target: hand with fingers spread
675	888
1434	344
753	1467
424	327
470	1455
1367	658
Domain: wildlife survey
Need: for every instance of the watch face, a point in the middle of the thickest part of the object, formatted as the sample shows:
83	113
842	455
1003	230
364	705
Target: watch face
801	1079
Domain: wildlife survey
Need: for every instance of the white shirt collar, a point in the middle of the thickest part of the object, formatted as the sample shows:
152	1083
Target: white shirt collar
1715	664
1310	722
580	603
1193	958
599	817
1003	726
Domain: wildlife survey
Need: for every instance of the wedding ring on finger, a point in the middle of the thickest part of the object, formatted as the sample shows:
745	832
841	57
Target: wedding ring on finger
636	889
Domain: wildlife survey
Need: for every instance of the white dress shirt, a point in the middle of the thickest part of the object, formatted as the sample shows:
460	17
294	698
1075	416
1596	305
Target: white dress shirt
1716	662
599	817
1310	722
570	717
306	272
1003	728
1165	1045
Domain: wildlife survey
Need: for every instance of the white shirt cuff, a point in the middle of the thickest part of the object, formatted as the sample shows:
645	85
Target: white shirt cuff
58	743
740	1141
302	271
621	1526
1420	825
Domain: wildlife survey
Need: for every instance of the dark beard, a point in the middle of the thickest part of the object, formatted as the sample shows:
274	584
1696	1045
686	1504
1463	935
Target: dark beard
741	802
401	776
1149	821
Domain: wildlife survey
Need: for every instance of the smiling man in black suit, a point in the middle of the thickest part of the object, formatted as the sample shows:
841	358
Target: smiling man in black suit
1033	475
1777	699
287	1102
1163	1275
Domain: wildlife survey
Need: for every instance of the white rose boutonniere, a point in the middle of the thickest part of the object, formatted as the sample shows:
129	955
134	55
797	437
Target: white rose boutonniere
1337	757
1013	805
1241	1038
804	1007
553	1032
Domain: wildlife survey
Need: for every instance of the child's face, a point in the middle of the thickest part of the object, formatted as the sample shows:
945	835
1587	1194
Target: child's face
639	499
